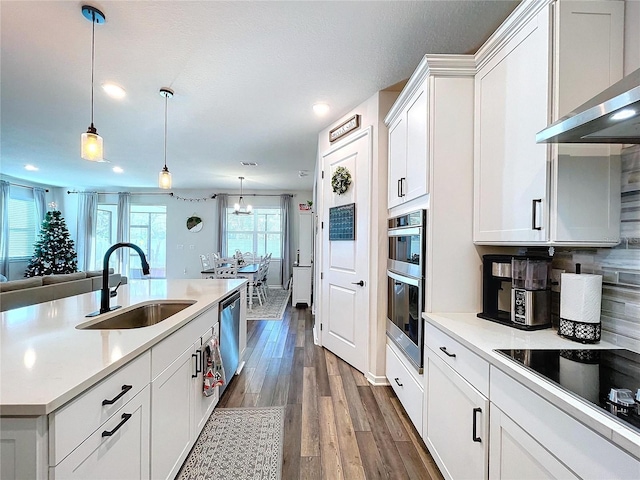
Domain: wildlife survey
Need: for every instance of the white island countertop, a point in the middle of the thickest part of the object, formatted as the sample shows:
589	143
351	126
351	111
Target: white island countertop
45	361
483	337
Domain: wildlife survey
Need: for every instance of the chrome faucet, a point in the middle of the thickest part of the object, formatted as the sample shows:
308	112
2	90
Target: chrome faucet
105	294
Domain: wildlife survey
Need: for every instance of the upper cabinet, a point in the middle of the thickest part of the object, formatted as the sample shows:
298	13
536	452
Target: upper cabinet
546	59
408	161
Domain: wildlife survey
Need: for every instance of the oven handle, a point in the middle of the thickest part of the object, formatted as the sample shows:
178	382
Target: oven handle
401	278
404	232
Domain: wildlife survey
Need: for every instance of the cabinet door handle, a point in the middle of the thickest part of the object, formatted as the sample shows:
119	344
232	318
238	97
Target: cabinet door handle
402	182
125	417
399	187
476	438
444	349
125	389
534	214
196	370
398	381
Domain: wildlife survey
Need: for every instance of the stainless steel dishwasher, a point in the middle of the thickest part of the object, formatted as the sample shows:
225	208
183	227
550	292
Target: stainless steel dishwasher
229	316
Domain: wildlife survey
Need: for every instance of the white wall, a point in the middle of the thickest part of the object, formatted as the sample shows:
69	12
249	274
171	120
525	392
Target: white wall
184	247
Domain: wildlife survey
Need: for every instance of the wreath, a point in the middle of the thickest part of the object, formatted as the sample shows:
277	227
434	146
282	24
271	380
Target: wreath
340	180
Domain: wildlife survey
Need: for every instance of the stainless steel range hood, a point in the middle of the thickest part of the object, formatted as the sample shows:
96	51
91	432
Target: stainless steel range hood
613	116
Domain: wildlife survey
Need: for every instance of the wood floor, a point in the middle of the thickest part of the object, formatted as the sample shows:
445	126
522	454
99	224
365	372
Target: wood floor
337	425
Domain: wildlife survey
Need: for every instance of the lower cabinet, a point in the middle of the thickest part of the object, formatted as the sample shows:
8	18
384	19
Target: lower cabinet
456	429
118	449
409	391
179	408
531	438
172	416
516	454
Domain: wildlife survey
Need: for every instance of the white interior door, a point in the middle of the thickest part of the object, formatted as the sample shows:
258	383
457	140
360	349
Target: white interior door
345	263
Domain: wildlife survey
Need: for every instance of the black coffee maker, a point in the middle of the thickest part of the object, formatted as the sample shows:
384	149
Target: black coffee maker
516	290
496	288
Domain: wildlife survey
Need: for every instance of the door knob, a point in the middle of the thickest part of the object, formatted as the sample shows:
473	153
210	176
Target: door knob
361	283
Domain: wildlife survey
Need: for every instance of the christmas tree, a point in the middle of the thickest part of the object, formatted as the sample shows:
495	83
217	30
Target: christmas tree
54	249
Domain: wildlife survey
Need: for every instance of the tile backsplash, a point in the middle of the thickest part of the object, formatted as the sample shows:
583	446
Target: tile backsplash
619	266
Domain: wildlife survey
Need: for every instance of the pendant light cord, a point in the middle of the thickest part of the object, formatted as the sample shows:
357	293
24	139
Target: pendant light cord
93	54
166	101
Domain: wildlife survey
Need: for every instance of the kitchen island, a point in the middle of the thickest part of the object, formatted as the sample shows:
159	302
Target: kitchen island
49	370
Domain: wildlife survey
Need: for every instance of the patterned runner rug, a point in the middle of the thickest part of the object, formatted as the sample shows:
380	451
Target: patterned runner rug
273	308
238	444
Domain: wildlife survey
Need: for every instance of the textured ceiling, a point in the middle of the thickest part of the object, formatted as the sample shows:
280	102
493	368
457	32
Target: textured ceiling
245	76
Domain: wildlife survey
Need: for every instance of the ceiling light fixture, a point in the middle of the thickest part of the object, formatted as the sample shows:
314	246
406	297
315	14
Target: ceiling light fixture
321	109
114	91
240	208
31	168
117	170
91	143
164	178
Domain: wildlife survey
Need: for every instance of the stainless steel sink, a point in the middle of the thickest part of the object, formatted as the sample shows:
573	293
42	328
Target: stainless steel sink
139	316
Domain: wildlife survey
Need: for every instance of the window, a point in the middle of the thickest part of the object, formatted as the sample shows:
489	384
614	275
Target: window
147	229
260	232
106	233
23	227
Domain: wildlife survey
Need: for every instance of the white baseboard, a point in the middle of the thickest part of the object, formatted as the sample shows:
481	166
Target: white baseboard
377	380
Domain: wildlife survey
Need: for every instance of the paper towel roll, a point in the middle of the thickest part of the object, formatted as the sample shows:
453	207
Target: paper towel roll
580	297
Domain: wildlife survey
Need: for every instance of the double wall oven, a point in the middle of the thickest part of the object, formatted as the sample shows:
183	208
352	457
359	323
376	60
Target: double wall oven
406	284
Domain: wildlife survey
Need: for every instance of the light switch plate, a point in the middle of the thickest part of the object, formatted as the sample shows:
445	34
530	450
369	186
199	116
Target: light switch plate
556	275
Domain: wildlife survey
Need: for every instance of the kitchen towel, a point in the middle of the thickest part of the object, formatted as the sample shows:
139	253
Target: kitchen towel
214	370
580	297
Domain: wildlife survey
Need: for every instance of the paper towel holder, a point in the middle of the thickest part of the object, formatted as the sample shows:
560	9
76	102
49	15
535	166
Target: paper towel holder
577	329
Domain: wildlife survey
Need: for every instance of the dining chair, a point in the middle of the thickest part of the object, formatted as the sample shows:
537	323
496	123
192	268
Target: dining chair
208	270
225	269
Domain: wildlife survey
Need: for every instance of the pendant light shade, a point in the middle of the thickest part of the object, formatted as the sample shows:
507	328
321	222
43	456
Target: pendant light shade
240	208
164	177
91	144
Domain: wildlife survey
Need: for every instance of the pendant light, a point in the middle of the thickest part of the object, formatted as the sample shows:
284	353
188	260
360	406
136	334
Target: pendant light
240	208
164	178
91	146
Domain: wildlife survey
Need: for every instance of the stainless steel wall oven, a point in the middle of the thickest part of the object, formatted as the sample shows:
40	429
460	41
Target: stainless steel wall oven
406	284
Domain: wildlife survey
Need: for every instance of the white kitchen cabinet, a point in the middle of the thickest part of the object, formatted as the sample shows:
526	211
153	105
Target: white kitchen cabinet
532	71
516	454
408	386
534	437
118	449
456	427
172	416
408	161
301	292
179	408
71	424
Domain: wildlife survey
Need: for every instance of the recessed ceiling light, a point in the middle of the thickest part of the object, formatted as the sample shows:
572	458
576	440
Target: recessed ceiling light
117	169
31	168
249	164
623	114
113	90
321	109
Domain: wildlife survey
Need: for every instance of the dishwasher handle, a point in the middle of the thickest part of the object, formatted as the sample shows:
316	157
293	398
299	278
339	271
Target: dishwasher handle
229	301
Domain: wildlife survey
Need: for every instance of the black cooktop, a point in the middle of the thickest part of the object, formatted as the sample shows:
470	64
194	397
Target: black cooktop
609	379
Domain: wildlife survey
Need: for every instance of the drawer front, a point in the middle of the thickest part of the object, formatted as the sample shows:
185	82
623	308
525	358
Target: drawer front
123	454
164	353
75	421
408	390
473	368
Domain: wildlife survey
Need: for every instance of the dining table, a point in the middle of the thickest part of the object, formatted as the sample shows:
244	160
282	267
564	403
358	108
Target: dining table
250	272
